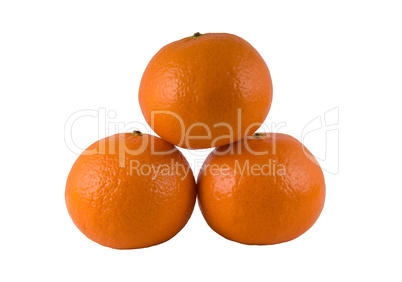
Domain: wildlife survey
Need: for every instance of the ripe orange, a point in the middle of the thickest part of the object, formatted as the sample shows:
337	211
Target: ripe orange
130	191
266	189
206	90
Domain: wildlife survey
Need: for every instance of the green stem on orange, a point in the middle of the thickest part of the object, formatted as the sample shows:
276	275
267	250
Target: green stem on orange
197	34
258	135
137	133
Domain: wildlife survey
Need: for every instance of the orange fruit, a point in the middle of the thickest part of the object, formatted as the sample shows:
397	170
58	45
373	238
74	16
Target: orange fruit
206	90
266	189
130	191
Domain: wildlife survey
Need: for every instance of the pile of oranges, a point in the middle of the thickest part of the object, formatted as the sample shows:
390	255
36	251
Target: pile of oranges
134	190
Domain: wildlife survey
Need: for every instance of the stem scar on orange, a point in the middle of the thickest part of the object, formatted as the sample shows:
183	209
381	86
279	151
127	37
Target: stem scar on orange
265	189
130	191
206	90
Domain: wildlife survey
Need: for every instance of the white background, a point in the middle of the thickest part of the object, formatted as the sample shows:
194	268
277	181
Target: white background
60	57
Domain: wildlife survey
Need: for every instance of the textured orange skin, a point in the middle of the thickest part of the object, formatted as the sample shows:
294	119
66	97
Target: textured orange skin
206	80
123	211
261	209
